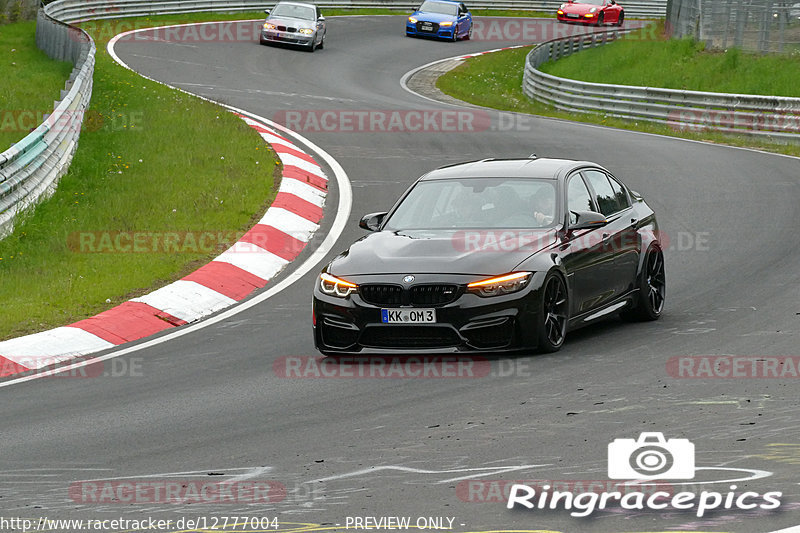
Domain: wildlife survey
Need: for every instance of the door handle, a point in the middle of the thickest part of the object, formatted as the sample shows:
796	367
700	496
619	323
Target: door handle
606	238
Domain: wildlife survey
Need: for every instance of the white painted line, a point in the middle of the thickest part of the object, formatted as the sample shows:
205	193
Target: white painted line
290	223
48	347
303	190
186	300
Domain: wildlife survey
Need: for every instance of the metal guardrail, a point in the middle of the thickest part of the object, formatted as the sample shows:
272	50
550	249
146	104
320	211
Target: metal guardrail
30	169
773	117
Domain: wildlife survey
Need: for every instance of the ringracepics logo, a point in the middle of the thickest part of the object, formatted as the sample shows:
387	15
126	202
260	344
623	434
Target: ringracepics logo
647	458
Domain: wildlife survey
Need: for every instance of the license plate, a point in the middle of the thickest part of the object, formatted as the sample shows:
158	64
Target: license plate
408	316
427	27
572	15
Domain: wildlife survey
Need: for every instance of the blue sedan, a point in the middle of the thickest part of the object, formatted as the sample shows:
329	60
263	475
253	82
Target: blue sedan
443	19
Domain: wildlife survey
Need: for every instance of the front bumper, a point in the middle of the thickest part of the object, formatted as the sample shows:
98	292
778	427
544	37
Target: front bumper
469	324
578	19
275	36
438	32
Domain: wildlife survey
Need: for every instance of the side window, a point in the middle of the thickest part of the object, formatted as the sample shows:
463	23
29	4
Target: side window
605	197
619	193
578	198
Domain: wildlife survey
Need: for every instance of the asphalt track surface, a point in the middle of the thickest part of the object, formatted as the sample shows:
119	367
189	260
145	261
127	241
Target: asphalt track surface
213	403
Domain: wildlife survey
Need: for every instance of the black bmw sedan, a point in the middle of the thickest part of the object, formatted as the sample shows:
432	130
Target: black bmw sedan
493	256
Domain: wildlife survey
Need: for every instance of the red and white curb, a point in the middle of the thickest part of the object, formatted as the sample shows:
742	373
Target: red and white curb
275	241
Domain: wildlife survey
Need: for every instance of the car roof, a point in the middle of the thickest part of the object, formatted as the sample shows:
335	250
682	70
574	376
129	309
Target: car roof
306	4
456	2
541	168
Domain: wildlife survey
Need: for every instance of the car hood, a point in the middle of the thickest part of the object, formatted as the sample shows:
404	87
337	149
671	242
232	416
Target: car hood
433	17
480	252
293	22
577	7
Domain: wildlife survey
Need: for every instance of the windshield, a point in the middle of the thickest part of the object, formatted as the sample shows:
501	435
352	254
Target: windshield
476	203
592	2
439	7
293	11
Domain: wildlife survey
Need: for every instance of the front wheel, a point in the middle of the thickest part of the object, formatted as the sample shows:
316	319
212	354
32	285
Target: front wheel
553	314
600	19
652	288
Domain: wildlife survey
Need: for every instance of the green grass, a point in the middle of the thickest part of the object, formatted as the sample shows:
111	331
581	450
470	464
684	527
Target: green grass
29	84
682	64
495	81
150	159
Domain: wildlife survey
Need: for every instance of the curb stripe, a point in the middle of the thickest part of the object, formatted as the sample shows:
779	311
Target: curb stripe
290	223
290	171
282	149
297	205
274	241
311	168
127	322
303	191
254	259
186	300
226	279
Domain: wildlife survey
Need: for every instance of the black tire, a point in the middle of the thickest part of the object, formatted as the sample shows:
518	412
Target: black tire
312	46
600	19
652	288
322	43
553	314
468	36
455	33
621	19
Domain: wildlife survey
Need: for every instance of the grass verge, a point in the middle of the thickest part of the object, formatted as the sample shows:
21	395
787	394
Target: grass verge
30	83
682	64
495	81
151	162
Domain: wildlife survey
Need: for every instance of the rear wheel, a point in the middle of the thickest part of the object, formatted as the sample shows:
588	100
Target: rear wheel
621	19
652	288
468	36
552	318
322	43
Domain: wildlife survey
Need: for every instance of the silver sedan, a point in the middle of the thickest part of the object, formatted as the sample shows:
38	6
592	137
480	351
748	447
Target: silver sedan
294	23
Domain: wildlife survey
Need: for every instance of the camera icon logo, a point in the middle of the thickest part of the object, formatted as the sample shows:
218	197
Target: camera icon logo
651	457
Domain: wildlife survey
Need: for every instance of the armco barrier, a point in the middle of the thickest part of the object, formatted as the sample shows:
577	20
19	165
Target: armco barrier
29	170
774	117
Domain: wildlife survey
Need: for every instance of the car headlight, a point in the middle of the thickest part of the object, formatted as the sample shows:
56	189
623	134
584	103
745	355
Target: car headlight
560	12
412	20
269	26
446	24
499	285
306	31
334	286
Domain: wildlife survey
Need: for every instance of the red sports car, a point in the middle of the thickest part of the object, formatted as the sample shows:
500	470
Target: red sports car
596	12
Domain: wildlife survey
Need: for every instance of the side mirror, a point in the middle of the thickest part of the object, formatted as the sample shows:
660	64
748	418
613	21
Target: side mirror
372	221
266	11
321	19
588	220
